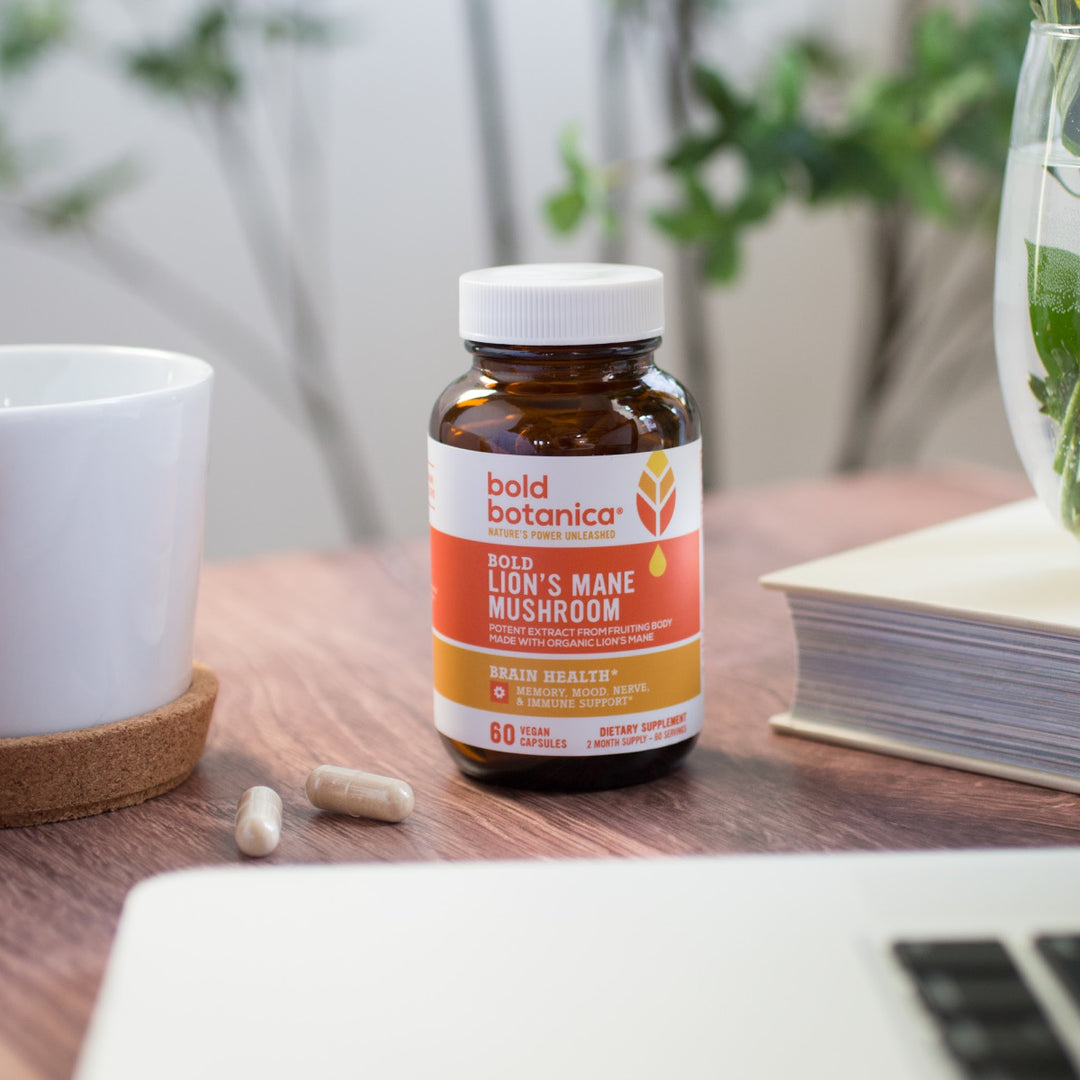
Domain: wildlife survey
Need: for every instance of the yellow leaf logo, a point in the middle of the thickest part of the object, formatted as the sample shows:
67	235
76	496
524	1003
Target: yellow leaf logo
656	503
656	493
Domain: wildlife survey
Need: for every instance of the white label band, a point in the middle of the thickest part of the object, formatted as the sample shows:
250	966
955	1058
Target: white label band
554	736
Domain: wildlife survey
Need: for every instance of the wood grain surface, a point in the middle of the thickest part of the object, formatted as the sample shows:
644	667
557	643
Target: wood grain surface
325	659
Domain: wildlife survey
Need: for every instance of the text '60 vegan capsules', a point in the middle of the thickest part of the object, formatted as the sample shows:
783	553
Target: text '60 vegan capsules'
565	504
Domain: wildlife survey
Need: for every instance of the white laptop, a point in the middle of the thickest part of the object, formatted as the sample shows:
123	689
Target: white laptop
740	967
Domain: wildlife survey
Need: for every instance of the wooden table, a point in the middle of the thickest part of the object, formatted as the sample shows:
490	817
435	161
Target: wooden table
325	658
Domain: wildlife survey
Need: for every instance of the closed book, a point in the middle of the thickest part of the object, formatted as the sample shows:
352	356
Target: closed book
958	645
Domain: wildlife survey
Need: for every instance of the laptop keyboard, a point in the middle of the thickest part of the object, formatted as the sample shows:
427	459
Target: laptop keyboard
989	1020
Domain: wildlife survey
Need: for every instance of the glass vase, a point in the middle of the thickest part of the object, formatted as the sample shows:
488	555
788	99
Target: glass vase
1037	272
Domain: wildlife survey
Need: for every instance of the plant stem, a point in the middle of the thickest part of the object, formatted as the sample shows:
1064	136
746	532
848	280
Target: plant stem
700	354
880	363
1070	512
615	127
962	366
1055	172
1067	435
288	295
494	147
947	335
155	281
176	297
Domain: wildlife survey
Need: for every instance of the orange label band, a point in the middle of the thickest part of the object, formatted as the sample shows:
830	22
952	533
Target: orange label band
559	599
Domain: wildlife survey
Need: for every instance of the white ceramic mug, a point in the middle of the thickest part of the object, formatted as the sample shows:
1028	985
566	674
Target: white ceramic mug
102	490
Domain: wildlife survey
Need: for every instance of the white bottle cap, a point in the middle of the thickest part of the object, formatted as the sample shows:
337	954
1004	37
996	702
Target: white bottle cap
561	304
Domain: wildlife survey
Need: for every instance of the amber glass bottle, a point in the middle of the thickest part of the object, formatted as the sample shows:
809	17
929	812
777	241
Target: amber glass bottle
565	492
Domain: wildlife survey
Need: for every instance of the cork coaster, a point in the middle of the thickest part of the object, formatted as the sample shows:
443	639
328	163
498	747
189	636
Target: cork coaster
73	774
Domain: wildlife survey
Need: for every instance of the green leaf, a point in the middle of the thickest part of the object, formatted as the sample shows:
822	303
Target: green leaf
565	209
936	40
822	57
696	219
1054	306
947	102
920	180
846	166
300	28
29	29
1042	395
684	226
1066	12
716	91
211	24
199	64
722	262
698	198
76	205
786	84
587	190
572	158
1054	303
759	198
694	149
11	164
1066	61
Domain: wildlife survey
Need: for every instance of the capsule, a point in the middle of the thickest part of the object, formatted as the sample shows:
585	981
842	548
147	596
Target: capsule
258	821
359	794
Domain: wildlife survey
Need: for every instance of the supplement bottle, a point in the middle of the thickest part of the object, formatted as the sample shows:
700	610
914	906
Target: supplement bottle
564	486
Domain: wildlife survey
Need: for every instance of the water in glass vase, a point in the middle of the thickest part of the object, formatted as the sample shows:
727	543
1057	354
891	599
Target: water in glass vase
1037	319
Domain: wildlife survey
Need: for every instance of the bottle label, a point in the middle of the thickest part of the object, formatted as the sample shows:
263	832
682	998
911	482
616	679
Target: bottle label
566	599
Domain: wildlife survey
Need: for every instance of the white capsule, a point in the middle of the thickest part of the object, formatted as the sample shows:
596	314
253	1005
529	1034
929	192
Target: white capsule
359	794
258	821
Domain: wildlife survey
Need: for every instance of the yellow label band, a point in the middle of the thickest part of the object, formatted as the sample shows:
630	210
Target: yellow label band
536	686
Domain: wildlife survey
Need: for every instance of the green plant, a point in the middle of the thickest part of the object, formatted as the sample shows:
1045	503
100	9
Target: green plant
1053	284
1067	69
926	140
208	68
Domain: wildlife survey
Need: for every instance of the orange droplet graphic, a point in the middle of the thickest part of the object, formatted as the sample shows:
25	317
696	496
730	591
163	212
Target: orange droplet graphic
658	563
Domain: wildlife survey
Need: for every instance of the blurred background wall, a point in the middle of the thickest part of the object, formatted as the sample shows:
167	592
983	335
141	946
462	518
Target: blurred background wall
370	152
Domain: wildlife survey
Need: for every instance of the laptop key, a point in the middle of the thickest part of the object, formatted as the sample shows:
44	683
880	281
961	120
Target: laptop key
978	1042
950	995
1062	953
955	957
